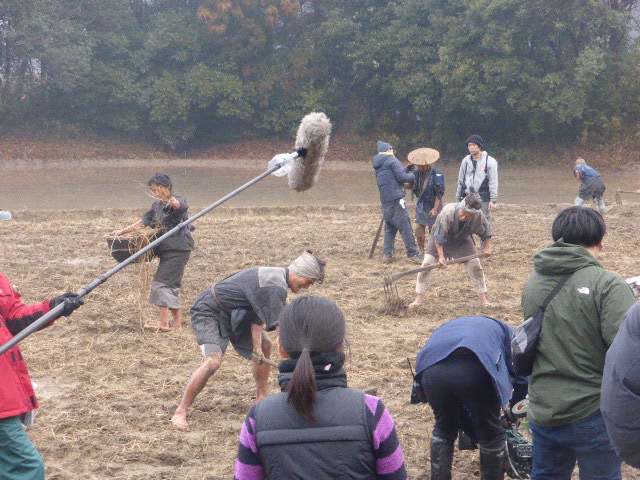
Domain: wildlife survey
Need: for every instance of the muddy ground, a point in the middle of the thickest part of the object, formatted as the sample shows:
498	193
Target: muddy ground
107	388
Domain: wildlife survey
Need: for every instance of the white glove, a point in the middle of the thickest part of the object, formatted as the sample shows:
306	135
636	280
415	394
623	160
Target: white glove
286	163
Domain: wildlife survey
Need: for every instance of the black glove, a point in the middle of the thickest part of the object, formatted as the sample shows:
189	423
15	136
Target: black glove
410	168
71	302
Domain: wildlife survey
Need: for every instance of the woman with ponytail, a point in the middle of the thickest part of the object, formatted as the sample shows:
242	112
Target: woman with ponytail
317	428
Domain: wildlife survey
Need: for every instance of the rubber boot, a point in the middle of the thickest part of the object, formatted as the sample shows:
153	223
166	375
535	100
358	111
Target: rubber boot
602	208
492	463
420	242
441	458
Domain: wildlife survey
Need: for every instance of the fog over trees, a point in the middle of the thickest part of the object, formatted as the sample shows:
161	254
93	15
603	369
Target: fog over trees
189	71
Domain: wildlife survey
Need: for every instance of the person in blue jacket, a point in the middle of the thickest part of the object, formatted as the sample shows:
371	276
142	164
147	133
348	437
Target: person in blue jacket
591	185
428	189
465	371
392	179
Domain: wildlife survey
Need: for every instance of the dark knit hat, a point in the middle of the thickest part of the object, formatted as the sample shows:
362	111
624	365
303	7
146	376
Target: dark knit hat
477	139
384	146
160	179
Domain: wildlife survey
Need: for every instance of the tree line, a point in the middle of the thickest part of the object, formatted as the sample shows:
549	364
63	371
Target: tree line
190	71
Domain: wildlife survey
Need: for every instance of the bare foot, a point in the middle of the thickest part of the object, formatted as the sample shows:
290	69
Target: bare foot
418	301
157	327
483	300
180	421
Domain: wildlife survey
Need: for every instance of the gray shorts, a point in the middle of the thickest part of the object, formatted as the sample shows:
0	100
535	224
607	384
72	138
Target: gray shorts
212	327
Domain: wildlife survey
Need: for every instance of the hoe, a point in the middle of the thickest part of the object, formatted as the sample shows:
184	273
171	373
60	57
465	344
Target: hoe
391	289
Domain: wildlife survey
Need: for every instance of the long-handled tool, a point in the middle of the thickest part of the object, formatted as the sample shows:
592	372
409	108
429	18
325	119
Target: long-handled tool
619	196
391	289
376	238
302	165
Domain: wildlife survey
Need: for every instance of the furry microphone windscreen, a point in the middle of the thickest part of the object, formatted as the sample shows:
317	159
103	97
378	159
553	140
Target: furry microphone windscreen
313	135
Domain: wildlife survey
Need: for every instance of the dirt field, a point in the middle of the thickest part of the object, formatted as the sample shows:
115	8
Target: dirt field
108	388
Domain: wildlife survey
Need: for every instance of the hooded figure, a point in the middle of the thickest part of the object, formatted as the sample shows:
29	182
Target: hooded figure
620	392
392	179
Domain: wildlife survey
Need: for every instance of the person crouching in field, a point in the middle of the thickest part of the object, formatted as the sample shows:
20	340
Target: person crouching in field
591	185
466	367
317	428
166	213
238	309
19	458
451	237
429	189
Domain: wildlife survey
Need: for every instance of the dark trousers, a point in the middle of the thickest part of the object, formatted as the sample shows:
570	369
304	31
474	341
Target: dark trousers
396	218
461	380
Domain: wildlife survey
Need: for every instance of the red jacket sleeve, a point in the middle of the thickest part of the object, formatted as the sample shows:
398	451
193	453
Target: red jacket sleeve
16	314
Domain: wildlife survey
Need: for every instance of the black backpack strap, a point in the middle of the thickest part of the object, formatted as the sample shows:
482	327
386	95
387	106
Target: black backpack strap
553	293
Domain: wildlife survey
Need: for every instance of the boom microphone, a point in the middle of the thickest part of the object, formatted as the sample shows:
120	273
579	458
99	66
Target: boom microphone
303	166
313	138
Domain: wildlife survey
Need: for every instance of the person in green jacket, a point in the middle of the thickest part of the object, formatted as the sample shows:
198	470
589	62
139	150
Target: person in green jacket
578	327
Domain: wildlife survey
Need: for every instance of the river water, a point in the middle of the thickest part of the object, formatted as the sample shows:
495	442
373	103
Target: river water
59	185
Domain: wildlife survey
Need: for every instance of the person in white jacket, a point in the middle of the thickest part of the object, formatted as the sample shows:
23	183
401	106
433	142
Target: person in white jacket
479	174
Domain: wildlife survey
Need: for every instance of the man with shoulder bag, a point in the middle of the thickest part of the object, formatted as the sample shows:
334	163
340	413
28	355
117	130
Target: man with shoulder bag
578	325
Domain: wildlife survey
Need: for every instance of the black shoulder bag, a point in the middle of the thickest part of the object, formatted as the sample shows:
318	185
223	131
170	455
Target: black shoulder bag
524	344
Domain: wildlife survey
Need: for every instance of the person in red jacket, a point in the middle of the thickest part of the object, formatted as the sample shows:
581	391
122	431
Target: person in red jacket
19	458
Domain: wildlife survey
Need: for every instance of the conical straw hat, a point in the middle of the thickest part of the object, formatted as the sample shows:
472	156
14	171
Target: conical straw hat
424	156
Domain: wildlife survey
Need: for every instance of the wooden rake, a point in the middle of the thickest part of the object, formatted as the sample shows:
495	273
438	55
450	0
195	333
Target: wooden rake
619	196
391	289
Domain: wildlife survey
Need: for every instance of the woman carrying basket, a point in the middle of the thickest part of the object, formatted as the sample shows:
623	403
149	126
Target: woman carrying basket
166	213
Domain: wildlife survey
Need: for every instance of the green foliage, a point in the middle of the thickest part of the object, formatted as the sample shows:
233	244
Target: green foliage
426	71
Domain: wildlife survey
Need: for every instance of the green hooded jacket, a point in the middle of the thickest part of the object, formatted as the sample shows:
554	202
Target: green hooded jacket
577	329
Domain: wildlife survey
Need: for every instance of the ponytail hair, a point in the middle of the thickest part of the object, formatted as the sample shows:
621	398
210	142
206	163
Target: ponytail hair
309	325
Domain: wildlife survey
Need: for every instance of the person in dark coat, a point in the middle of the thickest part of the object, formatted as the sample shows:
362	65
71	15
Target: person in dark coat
429	189
620	391
317	428
392	179
167	212
465	369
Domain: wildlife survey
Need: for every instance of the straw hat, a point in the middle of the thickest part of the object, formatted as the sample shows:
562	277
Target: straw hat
424	156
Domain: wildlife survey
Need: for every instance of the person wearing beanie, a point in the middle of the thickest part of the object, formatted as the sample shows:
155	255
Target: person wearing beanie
591	185
392	180
479	174
239	309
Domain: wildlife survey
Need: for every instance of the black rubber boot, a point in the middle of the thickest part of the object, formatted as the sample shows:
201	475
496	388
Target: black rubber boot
492	463
441	458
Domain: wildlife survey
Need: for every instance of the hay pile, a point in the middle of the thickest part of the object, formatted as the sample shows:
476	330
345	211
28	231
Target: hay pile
108	388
